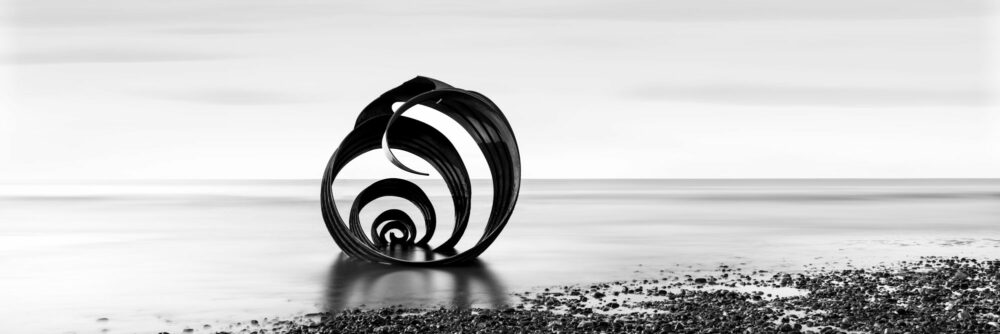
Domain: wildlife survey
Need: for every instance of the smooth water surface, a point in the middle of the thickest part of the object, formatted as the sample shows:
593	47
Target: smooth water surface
164	256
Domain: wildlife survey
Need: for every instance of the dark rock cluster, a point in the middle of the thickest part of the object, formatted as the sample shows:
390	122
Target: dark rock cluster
932	295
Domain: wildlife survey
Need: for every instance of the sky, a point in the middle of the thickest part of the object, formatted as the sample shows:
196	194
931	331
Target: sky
253	89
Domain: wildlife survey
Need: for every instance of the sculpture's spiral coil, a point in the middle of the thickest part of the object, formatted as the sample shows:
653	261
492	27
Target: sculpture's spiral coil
378	125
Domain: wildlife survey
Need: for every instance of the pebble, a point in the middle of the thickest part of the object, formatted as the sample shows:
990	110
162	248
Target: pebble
907	297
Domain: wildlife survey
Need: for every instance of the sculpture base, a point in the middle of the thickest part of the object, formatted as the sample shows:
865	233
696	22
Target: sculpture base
416	253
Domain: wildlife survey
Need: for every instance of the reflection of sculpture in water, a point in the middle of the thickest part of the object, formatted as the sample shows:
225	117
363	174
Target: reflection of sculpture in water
354	282
487	126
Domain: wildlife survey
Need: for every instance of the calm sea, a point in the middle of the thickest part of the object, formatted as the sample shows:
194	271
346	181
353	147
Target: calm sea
164	256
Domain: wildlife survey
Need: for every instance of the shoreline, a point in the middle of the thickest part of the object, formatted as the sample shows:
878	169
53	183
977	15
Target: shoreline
930	295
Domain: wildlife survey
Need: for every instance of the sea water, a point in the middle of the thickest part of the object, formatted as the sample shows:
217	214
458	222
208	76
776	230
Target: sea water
149	256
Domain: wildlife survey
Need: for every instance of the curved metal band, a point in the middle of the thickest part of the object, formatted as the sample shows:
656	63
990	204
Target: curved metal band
399	188
393	220
379	126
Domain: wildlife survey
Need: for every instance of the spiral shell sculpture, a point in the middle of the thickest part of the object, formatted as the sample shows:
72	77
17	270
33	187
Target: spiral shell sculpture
379	126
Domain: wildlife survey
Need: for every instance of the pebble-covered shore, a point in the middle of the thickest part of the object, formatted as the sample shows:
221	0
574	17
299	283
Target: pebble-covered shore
932	295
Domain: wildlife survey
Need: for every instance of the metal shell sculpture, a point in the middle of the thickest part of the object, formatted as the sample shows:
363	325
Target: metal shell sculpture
380	126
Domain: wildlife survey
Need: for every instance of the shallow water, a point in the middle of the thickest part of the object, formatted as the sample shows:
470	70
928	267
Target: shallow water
153	256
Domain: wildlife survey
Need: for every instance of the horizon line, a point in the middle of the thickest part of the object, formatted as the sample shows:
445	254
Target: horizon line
120	180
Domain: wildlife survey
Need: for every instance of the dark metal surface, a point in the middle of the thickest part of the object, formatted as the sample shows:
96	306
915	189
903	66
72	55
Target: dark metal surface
379	126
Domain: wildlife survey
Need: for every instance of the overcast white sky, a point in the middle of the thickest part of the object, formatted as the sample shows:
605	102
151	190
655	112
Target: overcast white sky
108	89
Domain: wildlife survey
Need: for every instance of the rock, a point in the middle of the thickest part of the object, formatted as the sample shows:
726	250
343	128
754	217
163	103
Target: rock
102	319
700	280
786	280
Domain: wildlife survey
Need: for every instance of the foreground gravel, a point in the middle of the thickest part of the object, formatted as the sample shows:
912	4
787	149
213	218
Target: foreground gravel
933	295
